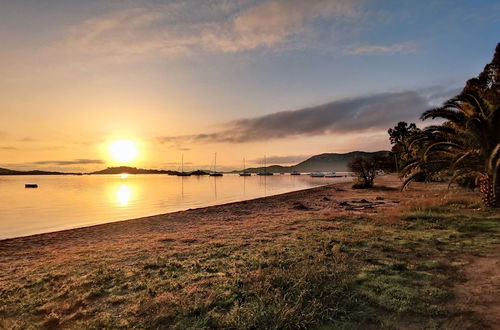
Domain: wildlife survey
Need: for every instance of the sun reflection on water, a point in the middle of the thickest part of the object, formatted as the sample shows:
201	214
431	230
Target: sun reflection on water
123	195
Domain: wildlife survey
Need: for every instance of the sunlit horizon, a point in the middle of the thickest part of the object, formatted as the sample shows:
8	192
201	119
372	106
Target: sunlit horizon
328	76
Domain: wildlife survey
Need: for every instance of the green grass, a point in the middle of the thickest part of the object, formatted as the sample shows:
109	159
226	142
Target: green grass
363	273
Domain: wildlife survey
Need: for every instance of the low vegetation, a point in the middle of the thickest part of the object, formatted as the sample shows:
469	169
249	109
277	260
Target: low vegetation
365	170
390	269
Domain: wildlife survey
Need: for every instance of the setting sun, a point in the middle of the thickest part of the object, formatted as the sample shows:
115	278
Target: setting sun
123	151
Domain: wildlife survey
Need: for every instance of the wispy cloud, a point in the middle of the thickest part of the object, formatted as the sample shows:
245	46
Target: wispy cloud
69	162
183	26
273	22
347	116
27	139
398	48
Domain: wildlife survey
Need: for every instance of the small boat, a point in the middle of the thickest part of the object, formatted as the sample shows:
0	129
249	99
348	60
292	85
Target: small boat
331	175
182	173
30	185
215	173
317	175
244	173
265	173
295	173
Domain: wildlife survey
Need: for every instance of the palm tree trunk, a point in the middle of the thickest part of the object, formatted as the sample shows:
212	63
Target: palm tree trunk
490	191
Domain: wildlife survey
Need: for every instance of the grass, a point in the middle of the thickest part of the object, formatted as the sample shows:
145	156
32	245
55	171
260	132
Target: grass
328	272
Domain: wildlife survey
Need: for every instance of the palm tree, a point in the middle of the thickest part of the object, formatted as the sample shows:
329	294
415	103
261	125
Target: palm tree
466	144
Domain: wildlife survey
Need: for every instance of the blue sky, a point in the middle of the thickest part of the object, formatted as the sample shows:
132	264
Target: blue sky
79	74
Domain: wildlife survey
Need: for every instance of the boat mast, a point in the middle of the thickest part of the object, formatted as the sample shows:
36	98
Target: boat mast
182	163
215	163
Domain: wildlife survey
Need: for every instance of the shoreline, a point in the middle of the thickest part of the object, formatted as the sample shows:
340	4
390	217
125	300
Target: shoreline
175	221
169	213
322	247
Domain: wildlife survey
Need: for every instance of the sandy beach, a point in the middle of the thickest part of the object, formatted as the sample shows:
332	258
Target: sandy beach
247	220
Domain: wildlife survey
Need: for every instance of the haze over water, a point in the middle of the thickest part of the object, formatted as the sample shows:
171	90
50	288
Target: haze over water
64	202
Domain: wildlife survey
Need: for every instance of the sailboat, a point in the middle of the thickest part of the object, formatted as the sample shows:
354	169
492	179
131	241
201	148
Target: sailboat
244	173
265	173
215	173
182	173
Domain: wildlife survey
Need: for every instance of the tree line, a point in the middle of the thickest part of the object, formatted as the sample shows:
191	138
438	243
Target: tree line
464	148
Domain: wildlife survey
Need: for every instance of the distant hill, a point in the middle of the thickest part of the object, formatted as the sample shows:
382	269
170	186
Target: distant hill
135	170
5	171
333	161
200	172
109	170
132	170
320	163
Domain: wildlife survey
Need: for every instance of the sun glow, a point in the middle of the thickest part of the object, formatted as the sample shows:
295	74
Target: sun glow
123	151
123	195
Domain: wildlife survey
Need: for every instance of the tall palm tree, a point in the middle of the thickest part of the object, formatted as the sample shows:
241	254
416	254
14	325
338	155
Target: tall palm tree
467	143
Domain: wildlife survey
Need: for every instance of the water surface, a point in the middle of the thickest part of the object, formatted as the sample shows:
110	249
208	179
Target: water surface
63	202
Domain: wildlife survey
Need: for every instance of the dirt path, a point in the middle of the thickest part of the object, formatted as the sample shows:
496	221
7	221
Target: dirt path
480	292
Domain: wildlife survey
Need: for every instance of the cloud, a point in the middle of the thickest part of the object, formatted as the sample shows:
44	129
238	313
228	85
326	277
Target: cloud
274	22
290	159
69	162
180	27
28	139
437	94
346	116
8	148
399	48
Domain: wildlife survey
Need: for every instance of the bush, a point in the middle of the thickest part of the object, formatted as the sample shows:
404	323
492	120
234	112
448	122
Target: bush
365	170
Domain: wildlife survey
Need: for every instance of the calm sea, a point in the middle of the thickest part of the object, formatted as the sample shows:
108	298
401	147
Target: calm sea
63	202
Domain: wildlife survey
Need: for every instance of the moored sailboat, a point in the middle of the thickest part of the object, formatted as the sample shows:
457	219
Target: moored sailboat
265	173
244	169
182	173
215	173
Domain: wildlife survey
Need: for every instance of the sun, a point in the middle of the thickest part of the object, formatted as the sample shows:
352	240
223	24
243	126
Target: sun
123	151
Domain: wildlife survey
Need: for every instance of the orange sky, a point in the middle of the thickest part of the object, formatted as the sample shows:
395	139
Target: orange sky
288	79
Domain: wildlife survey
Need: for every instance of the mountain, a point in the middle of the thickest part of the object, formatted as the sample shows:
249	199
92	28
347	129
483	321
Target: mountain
270	168
332	161
132	170
320	163
5	171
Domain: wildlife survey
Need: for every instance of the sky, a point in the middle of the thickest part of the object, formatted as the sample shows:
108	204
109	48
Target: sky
241	78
